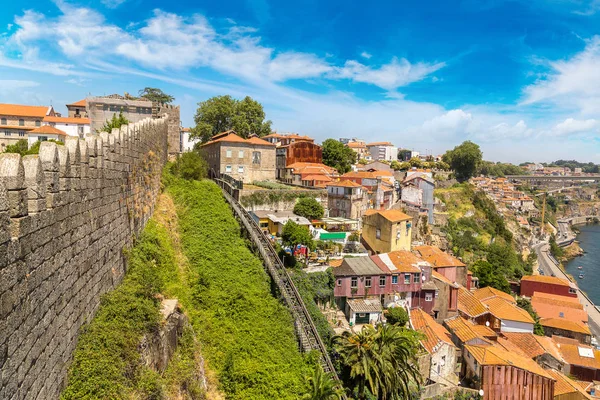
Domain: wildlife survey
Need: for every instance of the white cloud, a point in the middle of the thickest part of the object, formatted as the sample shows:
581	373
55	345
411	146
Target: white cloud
170	41
591	9
366	55
13	84
572	84
390	76
572	126
112	3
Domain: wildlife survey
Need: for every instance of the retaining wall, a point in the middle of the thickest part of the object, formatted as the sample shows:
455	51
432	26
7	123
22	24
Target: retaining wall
66	215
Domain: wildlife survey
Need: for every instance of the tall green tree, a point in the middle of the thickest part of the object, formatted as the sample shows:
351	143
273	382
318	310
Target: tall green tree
309	207
114	122
464	159
156	95
490	276
321	386
222	113
294	234
380	361
338	156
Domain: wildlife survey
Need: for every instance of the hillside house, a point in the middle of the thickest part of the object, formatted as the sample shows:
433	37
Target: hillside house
309	174
346	199
302	151
438	345
247	160
509	317
284	139
566	328
272	222
464	332
379	185
541	349
446	303
506	375
417	191
444	263
44	133
547	284
385	231
360	148
553	306
472	309
581	361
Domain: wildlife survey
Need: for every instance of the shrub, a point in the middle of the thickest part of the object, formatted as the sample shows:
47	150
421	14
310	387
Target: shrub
309	208
396	316
190	166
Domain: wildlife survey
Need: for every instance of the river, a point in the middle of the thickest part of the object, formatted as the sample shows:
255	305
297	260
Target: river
589	240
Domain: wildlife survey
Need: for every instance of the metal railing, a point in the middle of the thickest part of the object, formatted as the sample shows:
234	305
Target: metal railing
306	331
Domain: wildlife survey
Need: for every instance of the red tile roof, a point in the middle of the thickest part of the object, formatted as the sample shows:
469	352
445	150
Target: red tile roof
553	306
490	292
437	257
232	137
435	334
466	330
67	120
379	144
546	279
344	183
401	260
565	324
49	130
390	215
469	304
80	103
507	311
496	355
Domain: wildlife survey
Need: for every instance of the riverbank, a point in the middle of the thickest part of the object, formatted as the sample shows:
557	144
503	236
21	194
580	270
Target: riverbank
588	241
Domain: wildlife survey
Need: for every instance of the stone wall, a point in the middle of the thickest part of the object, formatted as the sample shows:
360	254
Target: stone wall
173	125
66	215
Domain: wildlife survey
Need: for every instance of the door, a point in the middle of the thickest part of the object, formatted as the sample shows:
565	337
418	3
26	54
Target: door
362	318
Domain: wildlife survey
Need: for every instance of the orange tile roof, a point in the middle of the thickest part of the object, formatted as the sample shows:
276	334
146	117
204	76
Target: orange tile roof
258	141
300	166
67	120
344	183
368	174
512	347
469	304
496	355
336	262
466	330
232	137
379	144
49	130
557	299
357	145
507	311
565	385
546	279
571	354
402	260
437	257
527	342
17	128
390	215
18	110
80	103
435	334
316	177
565	324
554	307
490	292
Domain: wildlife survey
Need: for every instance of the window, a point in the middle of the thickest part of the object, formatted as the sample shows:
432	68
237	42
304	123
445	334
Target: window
416	278
382	280
21	133
38	123
407	279
378	233
42	138
228	154
354	282
21	122
241	169
241	154
228	168
7	133
394	279
368	281
339	282
3	121
428	296
561	314
256	157
572	291
437	294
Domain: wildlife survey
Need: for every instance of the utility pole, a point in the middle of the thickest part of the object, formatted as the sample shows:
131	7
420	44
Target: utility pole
543	213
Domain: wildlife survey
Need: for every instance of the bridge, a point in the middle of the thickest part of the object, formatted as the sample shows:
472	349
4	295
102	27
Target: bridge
554	178
306	331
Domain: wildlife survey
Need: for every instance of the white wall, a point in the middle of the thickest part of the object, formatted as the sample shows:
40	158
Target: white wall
33	137
443	362
515	326
186	143
71	129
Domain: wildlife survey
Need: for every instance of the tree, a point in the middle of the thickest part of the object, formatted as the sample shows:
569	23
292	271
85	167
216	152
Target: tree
338	156
309	208
442	165
415	162
464	160
21	147
380	361
155	95
321	386
190	166
490	276
114	122
525	304
395	165
222	113
397	316
294	234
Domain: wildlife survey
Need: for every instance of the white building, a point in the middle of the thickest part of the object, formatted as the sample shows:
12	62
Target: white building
71	126
186	144
382	151
44	133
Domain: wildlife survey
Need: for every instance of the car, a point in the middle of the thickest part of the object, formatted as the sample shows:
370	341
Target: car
553	274
541	272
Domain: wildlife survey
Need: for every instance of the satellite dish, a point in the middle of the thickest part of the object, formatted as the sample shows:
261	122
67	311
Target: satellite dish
423	278
487	323
481	392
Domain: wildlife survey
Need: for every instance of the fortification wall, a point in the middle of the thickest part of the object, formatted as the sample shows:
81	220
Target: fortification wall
65	217
174	126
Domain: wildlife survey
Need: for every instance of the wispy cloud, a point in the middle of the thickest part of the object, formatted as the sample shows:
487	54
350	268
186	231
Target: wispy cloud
366	55
112	3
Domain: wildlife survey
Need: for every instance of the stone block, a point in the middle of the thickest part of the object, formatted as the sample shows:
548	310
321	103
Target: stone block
12	172
17	201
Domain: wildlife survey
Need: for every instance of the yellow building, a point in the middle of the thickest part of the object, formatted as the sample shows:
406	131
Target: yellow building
385	231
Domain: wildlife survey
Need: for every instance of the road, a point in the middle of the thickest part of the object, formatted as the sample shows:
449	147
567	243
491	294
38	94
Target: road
549	267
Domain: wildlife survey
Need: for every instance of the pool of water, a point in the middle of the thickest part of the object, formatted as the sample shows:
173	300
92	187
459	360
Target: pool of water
589	240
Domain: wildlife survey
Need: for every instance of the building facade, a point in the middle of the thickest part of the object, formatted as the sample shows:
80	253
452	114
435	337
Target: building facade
17	120
303	151
247	160
386	231
346	199
382	151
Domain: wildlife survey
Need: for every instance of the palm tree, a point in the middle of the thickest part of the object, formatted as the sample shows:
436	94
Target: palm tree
322	386
380	359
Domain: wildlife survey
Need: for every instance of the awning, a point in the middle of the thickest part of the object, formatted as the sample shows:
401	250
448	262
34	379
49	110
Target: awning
365	305
332	236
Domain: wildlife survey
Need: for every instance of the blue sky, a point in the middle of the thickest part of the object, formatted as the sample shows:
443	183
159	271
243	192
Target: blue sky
520	78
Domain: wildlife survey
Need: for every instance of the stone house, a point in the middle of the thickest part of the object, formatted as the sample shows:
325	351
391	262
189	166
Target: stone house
541	349
346	199
78	109
17	120
581	361
444	263
247	160
417	191
566	328
446	302
438	344
386	230
313	175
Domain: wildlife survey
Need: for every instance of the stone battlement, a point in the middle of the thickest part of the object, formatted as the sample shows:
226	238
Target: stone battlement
66	215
